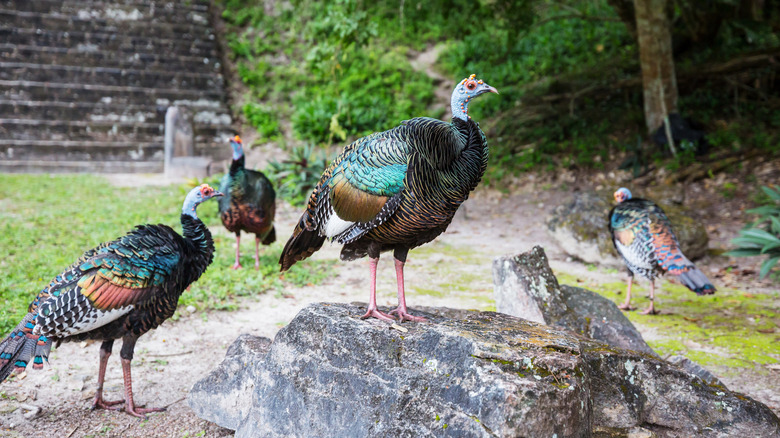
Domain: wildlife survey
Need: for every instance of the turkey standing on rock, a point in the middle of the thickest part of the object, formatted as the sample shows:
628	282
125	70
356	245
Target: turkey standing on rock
120	289
249	203
643	236
395	190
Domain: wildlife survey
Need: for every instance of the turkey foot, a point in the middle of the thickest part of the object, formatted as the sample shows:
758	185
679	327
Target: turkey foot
375	313
403	316
626	306
236	266
650	311
99	403
141	412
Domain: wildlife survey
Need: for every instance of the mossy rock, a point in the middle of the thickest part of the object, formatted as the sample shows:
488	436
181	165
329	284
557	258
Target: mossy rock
581	228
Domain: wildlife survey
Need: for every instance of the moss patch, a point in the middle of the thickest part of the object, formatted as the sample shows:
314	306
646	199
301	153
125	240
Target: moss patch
455	274
731	328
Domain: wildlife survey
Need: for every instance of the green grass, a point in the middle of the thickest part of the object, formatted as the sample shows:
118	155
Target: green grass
731	328
46	222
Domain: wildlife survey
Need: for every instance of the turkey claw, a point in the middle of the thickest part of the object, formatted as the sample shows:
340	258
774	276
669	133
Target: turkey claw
141	412
100	403
626	306
375	313
403	316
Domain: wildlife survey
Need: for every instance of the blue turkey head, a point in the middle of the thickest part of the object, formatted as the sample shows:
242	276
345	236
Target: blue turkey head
238	147
196	196
622	194
466	90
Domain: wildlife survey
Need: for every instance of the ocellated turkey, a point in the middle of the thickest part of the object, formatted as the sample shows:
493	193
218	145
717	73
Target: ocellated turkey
119	289
643	236
249	203
395	190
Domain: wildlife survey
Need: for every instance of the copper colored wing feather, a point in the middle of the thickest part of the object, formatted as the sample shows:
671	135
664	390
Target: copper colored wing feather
106	295
353	204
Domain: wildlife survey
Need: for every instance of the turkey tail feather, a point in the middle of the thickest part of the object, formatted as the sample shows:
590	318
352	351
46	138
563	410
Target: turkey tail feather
696	281
21	347
302	244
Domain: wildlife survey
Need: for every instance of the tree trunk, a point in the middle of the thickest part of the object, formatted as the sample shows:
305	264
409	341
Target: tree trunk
655	56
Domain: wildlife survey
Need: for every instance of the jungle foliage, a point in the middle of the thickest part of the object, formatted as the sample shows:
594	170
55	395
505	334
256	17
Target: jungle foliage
567	71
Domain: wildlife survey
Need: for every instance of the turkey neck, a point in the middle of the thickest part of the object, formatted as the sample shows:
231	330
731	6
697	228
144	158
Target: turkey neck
448	147
199	237
237	165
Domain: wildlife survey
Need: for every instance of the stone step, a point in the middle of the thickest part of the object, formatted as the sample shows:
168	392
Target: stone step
58	130
123	59
101	112
80	111
139	25
79	166
72	150
110	10
21	90
110	76
121	150
78	130
86	41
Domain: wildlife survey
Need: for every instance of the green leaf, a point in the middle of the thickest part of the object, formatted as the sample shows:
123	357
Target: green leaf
775	224
770	247
774	194
765	210
743	252
758	234
767	265
745	242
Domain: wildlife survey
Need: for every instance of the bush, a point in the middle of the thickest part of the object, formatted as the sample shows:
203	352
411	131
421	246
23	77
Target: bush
762	237
263	119
296	177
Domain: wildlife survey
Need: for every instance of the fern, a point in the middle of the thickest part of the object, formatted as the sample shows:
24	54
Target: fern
762	237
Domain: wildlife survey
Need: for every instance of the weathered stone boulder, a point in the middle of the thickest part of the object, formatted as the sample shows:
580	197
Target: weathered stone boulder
224	396
466	374
525	286
581	227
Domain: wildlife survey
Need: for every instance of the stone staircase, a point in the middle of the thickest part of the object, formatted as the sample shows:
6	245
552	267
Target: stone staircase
85	84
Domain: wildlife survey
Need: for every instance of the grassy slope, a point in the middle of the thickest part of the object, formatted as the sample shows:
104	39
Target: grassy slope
46	222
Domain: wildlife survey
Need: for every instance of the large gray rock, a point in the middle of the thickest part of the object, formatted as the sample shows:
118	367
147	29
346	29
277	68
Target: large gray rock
224	396
466	374
525	286
581	227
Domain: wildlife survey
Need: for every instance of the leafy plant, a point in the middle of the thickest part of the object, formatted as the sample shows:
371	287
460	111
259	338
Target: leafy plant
762	237
296	177
263	119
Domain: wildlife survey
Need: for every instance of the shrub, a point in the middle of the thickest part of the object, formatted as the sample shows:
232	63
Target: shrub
762	237
296	177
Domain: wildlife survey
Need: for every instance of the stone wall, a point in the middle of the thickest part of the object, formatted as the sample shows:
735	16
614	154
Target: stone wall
84	85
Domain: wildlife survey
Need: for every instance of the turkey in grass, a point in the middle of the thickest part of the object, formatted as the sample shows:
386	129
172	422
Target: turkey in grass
120	289
643	236
249	203
395	190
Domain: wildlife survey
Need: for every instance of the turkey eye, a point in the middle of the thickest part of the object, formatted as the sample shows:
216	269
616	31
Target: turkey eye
471	85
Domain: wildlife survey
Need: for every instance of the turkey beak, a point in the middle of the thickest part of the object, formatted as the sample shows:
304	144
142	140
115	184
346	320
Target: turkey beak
492	89
216	194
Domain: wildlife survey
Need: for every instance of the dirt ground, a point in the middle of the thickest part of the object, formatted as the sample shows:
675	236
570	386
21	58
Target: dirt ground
453	271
